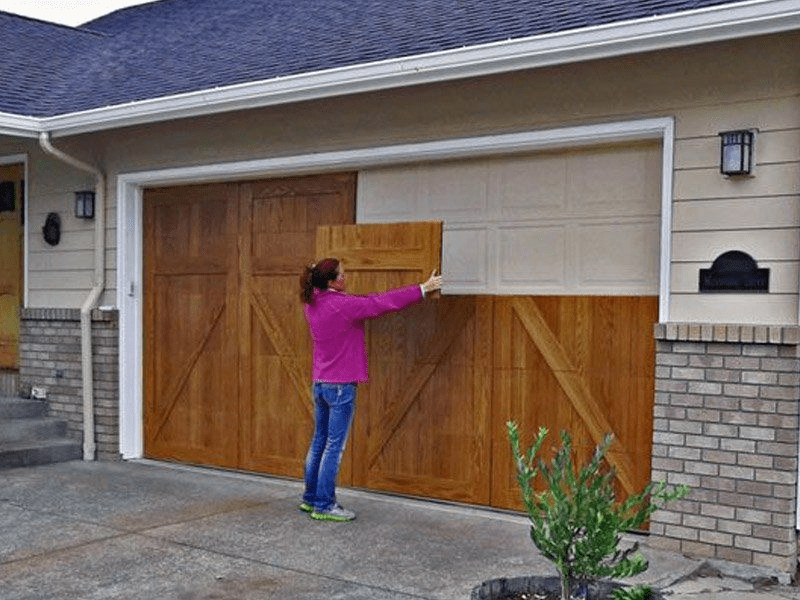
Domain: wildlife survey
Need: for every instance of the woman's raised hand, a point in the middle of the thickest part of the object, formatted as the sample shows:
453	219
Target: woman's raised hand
434	283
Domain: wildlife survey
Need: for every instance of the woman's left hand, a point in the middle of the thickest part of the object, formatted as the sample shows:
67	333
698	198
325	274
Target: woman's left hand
433	284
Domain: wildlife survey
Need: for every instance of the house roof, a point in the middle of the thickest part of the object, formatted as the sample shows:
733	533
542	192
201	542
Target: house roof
173	48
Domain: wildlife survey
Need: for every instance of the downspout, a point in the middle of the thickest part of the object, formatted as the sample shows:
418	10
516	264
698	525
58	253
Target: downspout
98	285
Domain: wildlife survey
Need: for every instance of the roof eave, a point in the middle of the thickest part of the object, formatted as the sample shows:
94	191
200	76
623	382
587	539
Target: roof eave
745	19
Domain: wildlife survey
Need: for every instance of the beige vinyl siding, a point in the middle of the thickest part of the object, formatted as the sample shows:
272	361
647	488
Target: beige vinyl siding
759	215
61	276
747	83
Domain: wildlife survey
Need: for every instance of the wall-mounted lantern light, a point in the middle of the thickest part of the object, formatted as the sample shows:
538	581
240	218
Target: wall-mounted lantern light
736	152
84	205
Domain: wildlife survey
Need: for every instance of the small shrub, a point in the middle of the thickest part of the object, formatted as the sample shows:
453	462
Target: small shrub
636	592
576	522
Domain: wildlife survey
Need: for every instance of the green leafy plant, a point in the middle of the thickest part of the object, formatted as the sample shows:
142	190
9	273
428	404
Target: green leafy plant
636	592
576	521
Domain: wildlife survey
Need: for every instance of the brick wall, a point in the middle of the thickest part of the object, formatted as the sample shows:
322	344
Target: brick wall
726	424
50	358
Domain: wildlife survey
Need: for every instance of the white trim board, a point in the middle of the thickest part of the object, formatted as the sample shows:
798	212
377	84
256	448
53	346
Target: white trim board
130	227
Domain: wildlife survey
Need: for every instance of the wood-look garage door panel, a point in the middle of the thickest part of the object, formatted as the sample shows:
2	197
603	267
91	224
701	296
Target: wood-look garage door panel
227	354
277	409
422	422
278	223
425	422
194	415
190	322
286	214
573	363
191	234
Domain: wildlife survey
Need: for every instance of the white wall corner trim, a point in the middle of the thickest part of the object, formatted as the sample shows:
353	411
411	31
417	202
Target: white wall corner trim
130	227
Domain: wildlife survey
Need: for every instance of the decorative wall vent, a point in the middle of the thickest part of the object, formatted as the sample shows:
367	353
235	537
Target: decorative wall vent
734	271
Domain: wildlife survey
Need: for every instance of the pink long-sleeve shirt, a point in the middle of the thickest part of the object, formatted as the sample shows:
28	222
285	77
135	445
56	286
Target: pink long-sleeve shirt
336	321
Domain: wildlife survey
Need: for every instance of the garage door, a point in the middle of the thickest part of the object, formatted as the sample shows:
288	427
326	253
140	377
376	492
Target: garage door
227	349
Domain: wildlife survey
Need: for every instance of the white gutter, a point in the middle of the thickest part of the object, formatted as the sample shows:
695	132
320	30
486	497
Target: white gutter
726	22
92	299
19	126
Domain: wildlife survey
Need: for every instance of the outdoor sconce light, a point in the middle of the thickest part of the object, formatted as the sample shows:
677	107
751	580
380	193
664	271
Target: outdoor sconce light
84	205
736	152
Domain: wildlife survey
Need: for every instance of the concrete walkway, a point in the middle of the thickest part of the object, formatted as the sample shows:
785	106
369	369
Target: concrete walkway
143	531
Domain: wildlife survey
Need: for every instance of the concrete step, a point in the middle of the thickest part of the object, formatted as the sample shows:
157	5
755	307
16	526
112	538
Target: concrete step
26	454
29	437
9	382
33	429
20	408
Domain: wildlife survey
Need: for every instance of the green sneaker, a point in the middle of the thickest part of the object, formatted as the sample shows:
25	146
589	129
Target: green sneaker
306	507
335	513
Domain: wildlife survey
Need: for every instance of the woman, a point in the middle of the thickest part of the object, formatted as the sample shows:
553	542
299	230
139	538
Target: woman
336	322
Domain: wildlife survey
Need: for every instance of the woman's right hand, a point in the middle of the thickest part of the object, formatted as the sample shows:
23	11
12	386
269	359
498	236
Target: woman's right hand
433	284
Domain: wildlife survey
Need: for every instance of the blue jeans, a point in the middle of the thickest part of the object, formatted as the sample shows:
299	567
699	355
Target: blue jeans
335	405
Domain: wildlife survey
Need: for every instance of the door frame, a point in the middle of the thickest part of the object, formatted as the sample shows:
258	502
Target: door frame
130	186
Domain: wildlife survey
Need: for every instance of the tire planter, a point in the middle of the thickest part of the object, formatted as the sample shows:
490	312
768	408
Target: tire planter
505	588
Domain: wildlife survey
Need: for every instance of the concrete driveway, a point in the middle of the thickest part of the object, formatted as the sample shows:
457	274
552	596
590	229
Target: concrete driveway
143	530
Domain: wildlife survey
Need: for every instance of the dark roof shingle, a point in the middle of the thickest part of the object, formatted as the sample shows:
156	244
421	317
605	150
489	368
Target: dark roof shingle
175	46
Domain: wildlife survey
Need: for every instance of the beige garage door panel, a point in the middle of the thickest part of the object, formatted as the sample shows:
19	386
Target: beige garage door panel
567	222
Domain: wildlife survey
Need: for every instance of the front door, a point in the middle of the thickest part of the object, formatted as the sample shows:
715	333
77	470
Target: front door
11	211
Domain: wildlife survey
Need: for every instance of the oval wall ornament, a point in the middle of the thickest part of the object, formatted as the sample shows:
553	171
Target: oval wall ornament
52	229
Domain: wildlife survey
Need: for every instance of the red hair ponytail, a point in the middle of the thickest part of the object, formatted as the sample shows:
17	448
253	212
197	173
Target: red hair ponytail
317	276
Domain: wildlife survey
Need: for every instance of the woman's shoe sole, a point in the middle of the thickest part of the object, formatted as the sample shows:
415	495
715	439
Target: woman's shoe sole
331	518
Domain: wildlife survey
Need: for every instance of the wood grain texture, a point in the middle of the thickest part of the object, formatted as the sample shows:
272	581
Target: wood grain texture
11	269
278	228
584	364
227	354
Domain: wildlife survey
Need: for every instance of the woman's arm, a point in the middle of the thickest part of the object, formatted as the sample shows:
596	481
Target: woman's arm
375	305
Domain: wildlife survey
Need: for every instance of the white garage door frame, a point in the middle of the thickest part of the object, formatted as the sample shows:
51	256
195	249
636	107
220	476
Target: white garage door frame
130	228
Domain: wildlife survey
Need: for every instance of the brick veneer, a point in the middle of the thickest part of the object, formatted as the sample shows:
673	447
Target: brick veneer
726	424
50	357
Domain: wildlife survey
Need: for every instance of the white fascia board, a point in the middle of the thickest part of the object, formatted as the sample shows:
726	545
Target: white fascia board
19	126
745	19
